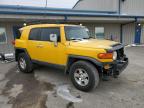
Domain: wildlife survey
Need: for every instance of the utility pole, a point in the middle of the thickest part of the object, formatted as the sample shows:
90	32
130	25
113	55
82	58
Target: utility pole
46	4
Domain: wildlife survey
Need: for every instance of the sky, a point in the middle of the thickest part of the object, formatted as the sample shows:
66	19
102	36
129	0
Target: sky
41	3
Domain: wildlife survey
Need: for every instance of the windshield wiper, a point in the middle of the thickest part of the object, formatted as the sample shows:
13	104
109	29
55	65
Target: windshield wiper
87	38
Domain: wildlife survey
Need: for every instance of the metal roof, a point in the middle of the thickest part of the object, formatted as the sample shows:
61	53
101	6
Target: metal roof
25	10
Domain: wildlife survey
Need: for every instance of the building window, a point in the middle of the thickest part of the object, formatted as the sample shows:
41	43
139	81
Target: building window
99	32
3	37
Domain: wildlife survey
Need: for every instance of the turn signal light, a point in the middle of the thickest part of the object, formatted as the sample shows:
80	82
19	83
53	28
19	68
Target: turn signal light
105	55
13	42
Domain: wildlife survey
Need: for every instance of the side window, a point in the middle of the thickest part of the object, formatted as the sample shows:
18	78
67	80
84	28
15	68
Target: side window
16	32
35	34
45	33
3	36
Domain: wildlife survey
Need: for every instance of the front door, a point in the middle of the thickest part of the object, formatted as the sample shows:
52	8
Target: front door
51	53
137	34
35	44
42	49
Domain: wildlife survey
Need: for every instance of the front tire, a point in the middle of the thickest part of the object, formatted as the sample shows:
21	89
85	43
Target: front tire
84	76
24	63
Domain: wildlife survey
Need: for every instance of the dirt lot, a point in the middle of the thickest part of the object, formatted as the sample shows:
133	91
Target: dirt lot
50	88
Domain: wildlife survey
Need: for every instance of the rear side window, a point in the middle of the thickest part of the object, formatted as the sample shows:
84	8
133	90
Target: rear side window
17	32
45	33
35	34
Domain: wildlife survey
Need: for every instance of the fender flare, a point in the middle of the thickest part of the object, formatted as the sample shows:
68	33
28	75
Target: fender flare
20	50
73	57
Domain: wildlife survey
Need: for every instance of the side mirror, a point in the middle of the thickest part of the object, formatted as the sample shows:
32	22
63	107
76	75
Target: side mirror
54	38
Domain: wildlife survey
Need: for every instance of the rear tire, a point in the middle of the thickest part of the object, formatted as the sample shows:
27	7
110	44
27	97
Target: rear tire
84	76
24	63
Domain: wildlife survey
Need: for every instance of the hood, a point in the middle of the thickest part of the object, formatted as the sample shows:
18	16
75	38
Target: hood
93	43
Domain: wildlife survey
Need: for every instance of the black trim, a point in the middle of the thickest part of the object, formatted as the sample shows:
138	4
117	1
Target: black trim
86	58
118	66
49	64
73	58
117	46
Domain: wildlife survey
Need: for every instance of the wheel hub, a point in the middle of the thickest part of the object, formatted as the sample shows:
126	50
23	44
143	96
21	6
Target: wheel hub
81	77
22	63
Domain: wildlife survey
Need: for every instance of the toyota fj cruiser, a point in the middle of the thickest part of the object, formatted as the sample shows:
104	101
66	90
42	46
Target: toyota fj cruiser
85	59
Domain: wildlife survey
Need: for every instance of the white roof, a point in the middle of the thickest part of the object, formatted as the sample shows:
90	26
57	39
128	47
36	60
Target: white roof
41	3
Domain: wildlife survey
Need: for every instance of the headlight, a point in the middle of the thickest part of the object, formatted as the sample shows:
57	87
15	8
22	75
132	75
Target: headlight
114	55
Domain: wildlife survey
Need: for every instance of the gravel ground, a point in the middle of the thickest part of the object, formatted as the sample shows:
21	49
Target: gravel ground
40	88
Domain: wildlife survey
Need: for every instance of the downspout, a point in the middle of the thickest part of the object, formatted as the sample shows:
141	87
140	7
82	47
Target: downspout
121	25
65	18
119	7
121	33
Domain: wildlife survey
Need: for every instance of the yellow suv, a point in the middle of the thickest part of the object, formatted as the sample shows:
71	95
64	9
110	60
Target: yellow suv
70	47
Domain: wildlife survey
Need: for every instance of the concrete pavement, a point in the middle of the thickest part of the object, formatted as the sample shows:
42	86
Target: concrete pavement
39	89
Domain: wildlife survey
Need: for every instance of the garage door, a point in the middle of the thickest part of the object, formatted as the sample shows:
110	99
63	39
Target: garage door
128	34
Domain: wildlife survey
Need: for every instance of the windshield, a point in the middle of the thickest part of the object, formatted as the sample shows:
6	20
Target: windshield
76	32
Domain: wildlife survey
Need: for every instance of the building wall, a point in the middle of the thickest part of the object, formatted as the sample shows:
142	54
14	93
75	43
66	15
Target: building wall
114	30
98	5
8	47
128	33
132	7
110	29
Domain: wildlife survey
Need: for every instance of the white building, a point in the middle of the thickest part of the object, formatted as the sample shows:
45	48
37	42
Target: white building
121	19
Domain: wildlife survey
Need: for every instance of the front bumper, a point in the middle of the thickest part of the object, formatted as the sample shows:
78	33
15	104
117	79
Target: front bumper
117	67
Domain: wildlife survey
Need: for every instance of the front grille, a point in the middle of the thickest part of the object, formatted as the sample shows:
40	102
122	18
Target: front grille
120	53
119	48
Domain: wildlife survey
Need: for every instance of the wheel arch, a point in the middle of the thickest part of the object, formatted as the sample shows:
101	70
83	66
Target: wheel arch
18	51
74	58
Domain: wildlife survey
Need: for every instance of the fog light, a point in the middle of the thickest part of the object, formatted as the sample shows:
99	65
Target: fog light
107	66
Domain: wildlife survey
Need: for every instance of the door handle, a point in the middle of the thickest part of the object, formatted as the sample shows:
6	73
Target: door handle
39	46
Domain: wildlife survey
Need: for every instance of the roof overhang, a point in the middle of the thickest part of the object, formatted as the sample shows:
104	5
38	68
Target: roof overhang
37	13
